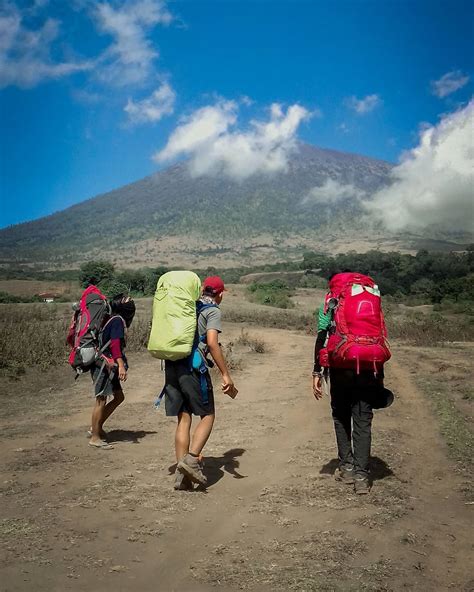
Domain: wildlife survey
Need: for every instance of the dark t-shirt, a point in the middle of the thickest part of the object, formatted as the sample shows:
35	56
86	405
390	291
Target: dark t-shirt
115	329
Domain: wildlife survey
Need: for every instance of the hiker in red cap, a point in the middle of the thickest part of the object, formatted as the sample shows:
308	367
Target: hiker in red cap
184	393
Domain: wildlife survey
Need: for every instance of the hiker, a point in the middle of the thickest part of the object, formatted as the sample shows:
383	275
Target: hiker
107	378
349	353
188	391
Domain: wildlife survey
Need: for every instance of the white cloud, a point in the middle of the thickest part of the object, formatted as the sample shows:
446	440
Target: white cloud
434	184
332	192
25	54
365	105
129	59
159	104
213	146
449	83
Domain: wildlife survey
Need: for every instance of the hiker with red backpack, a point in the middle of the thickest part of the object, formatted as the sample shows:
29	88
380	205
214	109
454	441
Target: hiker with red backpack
97	337
350	351
181	307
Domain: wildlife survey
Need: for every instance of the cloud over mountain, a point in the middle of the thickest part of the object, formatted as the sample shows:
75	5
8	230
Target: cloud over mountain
332	192
434	183
209	138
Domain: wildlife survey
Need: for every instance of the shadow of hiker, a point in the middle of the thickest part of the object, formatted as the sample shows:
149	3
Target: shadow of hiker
133	436
379	469
215	467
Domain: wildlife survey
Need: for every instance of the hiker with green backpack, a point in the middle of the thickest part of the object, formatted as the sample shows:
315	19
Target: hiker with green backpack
185	330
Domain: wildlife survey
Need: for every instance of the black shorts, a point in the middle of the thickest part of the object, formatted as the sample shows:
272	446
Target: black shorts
105	383
183	390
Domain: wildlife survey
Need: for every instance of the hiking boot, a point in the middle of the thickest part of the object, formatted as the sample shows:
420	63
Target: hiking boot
345	475
361	484
191	467
182	482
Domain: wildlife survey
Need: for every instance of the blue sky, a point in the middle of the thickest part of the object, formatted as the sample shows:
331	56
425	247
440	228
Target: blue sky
79	117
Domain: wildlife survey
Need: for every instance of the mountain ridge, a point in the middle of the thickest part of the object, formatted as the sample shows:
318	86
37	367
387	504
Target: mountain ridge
170	216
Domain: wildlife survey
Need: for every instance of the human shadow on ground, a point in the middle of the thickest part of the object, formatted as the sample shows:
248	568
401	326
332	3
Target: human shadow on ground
133	436
215	467
379	469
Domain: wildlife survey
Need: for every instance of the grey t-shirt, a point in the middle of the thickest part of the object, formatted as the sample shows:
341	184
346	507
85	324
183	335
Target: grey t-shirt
209	318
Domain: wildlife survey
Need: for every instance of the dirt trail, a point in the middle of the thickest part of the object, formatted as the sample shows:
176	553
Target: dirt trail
272	518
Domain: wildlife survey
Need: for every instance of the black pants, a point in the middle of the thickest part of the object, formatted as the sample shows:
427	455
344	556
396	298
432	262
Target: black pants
351	395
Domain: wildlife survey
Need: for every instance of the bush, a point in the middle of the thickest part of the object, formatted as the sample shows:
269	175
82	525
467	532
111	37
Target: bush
428	329
275	293
7	298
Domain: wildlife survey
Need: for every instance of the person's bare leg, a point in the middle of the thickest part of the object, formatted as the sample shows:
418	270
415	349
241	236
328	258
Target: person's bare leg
97	419
111	406
182	436
201	434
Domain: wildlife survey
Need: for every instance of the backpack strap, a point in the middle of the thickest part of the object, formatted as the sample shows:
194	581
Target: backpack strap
197	361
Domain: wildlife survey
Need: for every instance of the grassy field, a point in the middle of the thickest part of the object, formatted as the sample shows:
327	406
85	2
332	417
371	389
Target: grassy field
34	334
34	287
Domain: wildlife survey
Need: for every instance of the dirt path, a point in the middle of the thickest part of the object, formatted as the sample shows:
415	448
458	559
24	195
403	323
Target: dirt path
272	518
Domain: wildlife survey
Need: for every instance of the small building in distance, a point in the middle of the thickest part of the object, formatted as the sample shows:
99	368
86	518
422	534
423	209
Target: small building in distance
48	296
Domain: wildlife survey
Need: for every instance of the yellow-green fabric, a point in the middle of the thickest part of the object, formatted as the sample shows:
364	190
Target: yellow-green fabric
174	315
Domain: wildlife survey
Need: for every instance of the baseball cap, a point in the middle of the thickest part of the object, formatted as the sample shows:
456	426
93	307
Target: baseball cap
213	284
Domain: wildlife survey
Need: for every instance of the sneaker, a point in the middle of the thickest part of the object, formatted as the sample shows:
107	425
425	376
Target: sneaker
361	484
191	467
345	474
182	482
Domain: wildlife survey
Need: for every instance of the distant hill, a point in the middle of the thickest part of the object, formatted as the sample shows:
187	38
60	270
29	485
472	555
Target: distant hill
173	218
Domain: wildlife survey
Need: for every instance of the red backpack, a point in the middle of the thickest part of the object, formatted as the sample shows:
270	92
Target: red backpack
358	336
85	329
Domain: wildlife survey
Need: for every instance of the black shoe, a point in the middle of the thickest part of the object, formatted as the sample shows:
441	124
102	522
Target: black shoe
361	485
345	475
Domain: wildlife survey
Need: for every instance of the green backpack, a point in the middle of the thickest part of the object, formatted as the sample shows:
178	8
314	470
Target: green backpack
173	326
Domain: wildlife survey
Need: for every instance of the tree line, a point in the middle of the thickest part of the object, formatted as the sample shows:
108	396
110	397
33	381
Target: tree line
432	276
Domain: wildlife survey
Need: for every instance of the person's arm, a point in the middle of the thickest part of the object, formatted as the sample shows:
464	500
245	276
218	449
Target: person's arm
212	339
318	346
324	322
117	333
317	370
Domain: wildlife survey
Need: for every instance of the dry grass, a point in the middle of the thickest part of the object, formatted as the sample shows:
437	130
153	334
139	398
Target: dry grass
255	343
33	287
445	378
33	335
311	562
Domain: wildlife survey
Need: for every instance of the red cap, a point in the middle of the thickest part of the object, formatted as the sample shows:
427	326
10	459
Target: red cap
213	284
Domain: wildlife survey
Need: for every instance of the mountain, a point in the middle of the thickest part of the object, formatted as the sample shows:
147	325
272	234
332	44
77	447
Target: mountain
173	218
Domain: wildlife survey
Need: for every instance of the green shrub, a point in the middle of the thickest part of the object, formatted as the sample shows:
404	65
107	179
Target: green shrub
275	293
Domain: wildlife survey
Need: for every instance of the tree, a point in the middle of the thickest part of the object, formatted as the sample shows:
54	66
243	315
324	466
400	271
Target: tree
95	272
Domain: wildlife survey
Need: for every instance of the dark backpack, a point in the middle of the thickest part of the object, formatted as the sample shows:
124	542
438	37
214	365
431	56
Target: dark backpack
84	335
